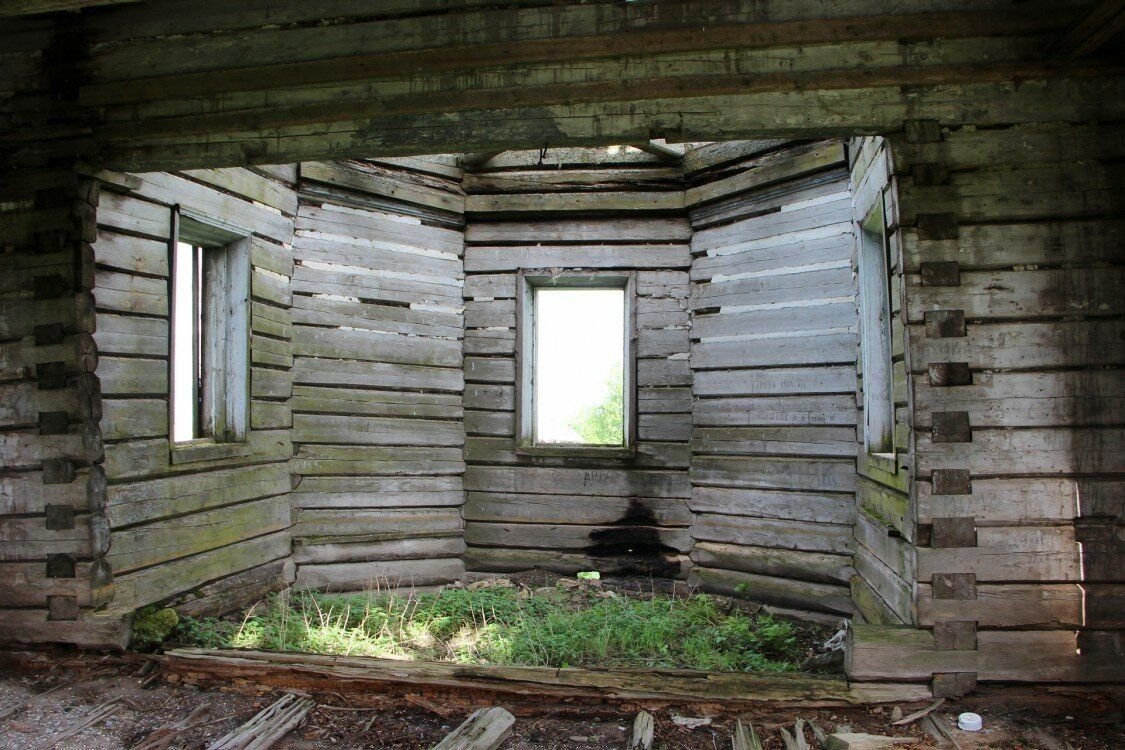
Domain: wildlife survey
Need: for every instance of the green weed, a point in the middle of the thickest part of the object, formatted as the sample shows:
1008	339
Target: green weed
502	625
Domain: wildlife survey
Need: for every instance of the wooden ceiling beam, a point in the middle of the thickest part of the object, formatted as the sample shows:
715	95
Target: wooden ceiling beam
37	7
1105	20
659	150
556	50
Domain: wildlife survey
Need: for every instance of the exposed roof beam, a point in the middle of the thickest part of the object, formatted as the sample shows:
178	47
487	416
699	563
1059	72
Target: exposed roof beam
1101	23
660	151
476	160
35	7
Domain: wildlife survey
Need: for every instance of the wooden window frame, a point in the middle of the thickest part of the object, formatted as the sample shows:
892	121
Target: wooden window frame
875	333
222	419
526	284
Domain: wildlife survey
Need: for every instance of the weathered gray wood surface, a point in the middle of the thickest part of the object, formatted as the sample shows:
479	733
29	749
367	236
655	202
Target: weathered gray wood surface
773	358
571	514
378	419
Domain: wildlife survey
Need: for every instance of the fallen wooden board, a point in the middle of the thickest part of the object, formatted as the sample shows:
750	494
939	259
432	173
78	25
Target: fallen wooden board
485	729
343	674
643	730
268	726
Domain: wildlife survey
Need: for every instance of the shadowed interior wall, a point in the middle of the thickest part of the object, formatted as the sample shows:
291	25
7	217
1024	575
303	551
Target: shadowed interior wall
577	209
180	522
1010	241
773	365
377	378
53	530
885	522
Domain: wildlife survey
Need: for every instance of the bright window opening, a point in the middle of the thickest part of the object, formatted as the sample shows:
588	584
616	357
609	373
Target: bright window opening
186	335
580	366
575	388
210	336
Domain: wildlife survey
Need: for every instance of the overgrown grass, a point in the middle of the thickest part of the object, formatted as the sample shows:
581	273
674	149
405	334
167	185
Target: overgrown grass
503	625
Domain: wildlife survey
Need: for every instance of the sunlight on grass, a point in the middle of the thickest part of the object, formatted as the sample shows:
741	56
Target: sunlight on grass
504	625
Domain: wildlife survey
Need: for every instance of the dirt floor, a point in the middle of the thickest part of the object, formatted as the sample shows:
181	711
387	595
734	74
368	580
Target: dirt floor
38	706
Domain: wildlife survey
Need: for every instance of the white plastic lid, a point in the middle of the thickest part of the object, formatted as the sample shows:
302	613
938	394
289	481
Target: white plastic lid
970	722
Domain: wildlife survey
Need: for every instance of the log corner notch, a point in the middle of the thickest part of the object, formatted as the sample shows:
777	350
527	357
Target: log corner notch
54	500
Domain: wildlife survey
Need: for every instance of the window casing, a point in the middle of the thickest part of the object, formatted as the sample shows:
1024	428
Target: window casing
875	334
529	361
209	363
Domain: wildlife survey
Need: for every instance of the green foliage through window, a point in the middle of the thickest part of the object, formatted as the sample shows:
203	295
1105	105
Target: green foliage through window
604	423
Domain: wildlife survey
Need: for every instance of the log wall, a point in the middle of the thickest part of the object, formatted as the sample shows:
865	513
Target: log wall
773	361
377	380
207	531
568	210
54	535
1011	245
885	531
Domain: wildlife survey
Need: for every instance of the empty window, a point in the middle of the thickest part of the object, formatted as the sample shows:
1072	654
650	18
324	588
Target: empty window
575	363
210	335
875	334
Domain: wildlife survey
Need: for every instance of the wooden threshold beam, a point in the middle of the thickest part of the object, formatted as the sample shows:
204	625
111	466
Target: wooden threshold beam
535	685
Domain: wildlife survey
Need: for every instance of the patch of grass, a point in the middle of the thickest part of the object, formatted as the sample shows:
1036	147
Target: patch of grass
505	625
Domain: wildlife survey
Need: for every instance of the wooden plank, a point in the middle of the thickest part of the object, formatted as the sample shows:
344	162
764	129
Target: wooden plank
1043	451
376	524
376	460
1010	554
775	381
365	430
394	550
370	178
378	228
153	499
375	575
805	349
317	672
1013	605
780	563
552	481
170	190
510	258
580	231
632	200
133	590
1015	501
372	346
497	507
782	592
374	403
1025	399
1001	246
1025	346
769	169
160	541
646	539
774	473
485	729
758	411
245	183
773	504
1023	294
773	533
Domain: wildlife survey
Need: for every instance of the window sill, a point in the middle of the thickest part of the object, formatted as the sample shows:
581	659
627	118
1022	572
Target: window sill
884	461
566	451
206	450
